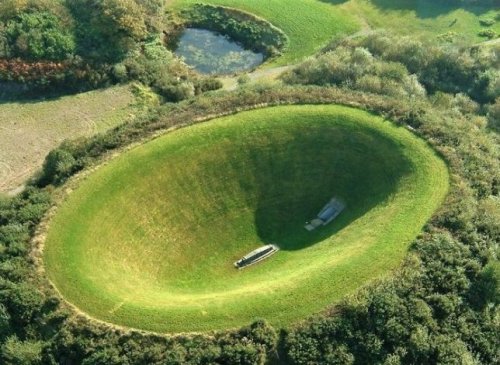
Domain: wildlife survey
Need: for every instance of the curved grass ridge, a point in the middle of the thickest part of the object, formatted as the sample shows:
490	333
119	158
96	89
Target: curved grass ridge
148	240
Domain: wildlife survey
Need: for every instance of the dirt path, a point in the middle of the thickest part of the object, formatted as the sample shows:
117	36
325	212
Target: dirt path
271	74
231	83
491	42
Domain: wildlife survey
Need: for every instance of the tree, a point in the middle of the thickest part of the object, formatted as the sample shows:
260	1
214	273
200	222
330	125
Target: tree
107	29
17	352
38	36
58	164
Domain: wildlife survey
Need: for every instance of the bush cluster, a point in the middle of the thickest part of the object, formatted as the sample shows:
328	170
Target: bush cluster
157	67
36	36
397	66
357	68
100	31
35	78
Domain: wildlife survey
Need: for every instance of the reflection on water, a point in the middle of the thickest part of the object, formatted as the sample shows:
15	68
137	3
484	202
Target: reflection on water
212	53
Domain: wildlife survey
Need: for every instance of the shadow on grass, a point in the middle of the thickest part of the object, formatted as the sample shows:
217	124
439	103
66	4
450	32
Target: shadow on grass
432	9
334	2
363	168
15	92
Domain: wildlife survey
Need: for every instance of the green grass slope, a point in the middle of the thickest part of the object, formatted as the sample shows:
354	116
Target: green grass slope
149	239
426	19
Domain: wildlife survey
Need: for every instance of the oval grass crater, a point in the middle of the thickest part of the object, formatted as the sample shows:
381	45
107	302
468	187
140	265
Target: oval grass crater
149	240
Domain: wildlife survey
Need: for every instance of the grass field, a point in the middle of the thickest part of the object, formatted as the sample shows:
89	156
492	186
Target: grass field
427	19
29	130
149	239
311	24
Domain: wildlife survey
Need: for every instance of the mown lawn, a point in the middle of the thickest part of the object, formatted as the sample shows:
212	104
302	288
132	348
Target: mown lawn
29	130
149	239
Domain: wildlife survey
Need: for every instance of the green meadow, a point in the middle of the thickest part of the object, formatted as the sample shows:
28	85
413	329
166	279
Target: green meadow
430	20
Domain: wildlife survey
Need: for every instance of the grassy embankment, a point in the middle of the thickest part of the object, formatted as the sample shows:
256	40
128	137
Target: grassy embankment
426	19
149	239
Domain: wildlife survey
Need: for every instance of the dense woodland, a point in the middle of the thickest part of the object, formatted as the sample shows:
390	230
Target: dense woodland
440	307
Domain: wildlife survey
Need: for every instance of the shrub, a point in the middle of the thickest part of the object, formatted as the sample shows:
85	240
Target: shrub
487	22
448	37
243	79
207	84
15	351
494	114
37	36
58	165
487	33
486	289
4	322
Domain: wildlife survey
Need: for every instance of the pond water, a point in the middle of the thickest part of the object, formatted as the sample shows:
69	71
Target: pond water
211	53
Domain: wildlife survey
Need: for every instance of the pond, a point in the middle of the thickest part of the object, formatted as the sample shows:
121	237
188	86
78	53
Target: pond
214	54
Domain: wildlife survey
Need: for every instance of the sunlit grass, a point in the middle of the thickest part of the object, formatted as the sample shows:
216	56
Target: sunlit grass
149	240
